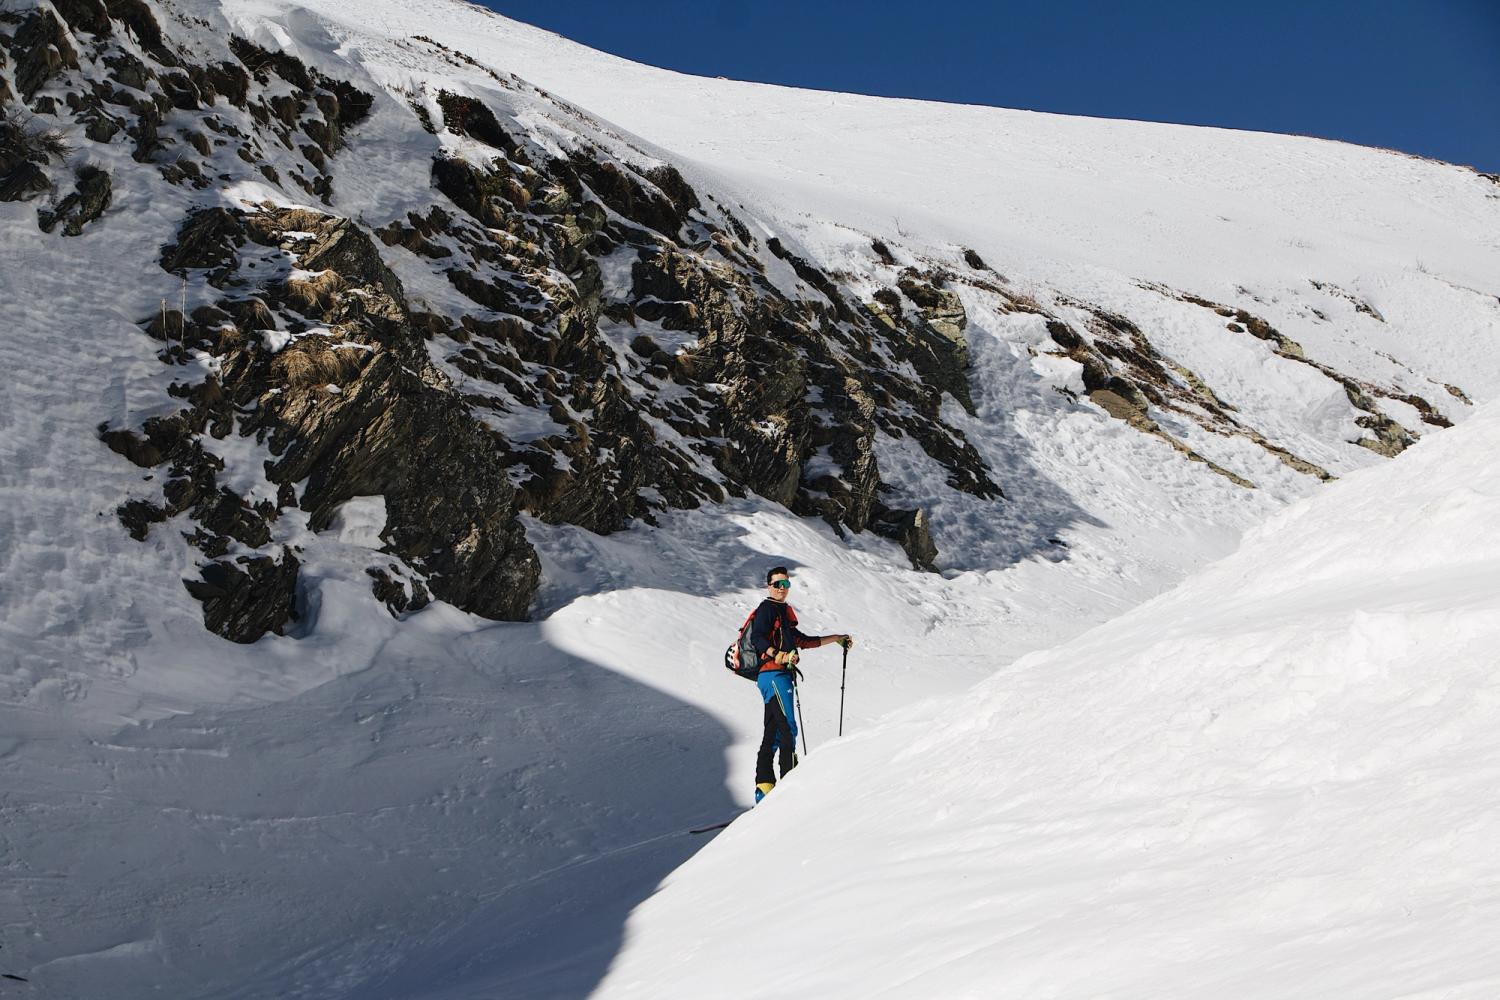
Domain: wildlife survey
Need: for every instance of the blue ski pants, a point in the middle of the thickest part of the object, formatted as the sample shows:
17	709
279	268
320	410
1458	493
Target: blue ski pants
779	738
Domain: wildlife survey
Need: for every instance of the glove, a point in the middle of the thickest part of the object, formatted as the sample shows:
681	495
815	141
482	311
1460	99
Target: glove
784	658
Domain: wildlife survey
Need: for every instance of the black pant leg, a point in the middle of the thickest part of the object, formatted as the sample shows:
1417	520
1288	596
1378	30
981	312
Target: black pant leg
776	741
764	760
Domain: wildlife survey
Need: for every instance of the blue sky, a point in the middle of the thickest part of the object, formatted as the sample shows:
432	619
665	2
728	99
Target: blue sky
1415	76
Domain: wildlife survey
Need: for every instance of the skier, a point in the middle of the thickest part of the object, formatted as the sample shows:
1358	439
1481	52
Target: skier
777	640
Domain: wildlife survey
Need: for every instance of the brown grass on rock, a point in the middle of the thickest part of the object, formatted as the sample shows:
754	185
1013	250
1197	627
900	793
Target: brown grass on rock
315	294
310	361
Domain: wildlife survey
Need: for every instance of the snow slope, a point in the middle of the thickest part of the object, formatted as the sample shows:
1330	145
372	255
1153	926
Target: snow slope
446	806
1276	780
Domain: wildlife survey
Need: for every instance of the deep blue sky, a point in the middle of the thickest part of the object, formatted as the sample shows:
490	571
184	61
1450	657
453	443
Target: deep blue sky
1423	77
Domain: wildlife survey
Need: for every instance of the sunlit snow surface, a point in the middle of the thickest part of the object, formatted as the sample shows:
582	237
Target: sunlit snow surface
1197	800
1277	780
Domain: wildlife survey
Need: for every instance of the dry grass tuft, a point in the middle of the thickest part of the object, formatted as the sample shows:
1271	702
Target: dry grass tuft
304	220
315	295
22	140
254	314
309	362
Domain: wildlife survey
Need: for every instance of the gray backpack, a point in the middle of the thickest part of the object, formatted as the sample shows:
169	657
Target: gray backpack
741	657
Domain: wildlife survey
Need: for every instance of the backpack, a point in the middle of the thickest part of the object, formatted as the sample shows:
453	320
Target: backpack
740	657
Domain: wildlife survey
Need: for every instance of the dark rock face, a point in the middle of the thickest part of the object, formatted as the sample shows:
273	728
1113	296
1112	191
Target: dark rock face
763	413
191	485
779	396
366	415
209	241
910	530
90	16
346	250
137	16
398	594
396	429
24	181
246	597
631	194
937	348
41	50
473	118
83	206
485	196
815	278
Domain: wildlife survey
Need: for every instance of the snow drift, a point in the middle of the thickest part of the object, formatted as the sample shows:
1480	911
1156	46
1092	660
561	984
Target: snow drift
1276	780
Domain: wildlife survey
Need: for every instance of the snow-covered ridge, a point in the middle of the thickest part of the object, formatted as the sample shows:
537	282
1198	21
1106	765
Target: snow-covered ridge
1057	198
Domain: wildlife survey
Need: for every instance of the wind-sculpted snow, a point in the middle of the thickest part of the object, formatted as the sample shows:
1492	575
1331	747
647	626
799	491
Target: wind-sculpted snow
336	335
1276	780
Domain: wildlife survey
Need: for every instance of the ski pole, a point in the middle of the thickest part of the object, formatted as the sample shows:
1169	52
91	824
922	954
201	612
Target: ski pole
801	719
843	676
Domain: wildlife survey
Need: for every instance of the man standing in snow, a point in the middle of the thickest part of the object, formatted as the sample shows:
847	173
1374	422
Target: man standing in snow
777	640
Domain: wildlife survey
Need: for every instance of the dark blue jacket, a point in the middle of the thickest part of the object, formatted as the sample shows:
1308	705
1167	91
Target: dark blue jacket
775	631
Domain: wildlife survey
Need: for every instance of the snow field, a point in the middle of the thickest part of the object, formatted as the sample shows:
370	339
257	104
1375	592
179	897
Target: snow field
444	806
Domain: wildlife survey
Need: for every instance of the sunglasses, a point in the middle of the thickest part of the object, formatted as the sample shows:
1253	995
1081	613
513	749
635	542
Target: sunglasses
782	584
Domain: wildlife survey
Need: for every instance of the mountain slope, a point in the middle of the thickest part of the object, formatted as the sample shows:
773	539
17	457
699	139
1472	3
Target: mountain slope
335	346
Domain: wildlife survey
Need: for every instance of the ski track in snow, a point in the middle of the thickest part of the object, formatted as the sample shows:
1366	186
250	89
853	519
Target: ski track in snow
446	807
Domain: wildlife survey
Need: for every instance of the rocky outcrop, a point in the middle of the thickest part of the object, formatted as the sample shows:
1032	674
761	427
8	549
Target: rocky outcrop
85	16
248	596
24	181
41	50
209	241
473	118
351	406
85	204
1387	436
910	530
630	193
727	384
937	348
763	393
1125	375
397	591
